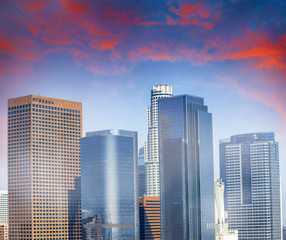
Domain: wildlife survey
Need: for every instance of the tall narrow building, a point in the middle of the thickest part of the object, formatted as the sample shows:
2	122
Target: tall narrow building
141	172
3	215
249	165
151	154
221	224
110	183
186	165
44	168
4	207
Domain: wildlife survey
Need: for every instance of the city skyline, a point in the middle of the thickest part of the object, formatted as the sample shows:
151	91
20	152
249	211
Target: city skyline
111	61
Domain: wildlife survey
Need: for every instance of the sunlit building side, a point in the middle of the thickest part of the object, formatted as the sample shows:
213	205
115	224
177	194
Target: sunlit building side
44	168
150	219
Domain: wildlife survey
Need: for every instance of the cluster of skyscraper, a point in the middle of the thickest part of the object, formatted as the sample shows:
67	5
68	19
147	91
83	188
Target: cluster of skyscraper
63	186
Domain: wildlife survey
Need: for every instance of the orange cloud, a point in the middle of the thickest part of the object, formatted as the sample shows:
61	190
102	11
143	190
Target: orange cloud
105	45
61	40
77	7
95	31
269	54
191	14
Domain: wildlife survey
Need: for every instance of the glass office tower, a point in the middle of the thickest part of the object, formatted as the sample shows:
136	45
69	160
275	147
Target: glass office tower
110	183
186	163
249	165
44	168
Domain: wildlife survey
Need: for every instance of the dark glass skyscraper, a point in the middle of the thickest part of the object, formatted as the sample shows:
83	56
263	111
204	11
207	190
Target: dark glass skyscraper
249	165
186	158
110	184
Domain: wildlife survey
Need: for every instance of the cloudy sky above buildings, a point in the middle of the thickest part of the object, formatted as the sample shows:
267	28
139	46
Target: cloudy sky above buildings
108	55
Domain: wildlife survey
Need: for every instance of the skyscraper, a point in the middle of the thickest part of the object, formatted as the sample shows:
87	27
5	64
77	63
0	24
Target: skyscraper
249	164
3	215
150	222
142	179
3	231
141	172
186	165
221	225
44	168
110	182
151	154
4	207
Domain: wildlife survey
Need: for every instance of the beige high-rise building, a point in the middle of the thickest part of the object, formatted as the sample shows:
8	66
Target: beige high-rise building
3	231
44	168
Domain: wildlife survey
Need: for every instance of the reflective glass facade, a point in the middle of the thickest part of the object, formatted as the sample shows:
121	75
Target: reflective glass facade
249	165
110	182
186	163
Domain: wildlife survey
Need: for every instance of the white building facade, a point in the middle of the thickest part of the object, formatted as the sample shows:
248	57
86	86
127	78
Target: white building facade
4	207
222	231
151	150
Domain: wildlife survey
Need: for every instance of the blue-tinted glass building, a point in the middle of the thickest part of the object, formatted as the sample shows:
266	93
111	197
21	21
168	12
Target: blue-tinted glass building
249	165
186	163
109	184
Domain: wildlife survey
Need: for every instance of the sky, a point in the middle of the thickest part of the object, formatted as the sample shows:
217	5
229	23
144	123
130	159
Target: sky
108	54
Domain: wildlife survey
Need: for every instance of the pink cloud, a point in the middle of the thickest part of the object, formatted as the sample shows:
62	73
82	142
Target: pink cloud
105	45
273	96
130	18
193	14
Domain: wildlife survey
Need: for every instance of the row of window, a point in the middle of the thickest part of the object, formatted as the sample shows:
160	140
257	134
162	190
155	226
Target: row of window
56	108
19	107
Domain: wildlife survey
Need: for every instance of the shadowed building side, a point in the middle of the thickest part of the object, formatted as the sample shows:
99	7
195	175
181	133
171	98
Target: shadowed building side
186	167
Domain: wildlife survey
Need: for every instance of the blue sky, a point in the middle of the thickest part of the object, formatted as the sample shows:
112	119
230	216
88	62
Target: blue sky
108	55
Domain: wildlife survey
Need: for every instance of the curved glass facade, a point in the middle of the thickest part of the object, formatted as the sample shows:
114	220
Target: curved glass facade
109	183
186	163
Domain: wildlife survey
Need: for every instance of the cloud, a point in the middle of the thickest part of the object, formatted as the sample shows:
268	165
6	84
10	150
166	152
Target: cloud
97	33
269	54
32	5
77	7
192	14
130	18
270	95
5	47
104	45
